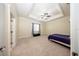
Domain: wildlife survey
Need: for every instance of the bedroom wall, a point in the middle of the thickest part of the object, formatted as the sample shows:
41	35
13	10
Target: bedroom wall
60	25
2	19
25	27
7	29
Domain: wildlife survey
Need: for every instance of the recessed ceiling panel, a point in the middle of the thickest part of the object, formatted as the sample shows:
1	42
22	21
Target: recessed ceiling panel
41	9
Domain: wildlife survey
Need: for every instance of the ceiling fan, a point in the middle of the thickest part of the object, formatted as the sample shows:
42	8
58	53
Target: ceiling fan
45	15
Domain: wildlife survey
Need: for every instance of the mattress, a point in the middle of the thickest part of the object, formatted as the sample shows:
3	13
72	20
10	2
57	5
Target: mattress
59	37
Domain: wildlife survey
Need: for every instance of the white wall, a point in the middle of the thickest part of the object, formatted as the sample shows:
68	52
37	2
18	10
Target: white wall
2	19
58	26
7	29
75	27
25	27
61	26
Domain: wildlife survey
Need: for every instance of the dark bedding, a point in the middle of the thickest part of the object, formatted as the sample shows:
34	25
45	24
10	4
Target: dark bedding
60	37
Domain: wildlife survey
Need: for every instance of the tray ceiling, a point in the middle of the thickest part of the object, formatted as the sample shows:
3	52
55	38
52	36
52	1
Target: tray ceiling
40	11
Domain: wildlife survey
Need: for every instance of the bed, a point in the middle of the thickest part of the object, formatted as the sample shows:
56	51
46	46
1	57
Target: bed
60	38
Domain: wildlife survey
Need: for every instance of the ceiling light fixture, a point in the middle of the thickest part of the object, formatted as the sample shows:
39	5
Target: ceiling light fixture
45	15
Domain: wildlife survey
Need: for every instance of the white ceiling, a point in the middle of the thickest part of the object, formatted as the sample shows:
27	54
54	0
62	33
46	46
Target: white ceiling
23	9
40	11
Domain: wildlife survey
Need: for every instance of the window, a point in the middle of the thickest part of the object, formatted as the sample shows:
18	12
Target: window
36	28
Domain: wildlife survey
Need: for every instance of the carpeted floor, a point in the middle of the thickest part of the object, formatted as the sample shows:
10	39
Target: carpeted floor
39	46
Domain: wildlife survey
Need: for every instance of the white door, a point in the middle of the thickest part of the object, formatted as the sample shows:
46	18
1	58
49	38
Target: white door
13	32
75	27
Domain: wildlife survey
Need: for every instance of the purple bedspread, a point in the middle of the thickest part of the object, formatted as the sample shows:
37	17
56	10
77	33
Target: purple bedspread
60	37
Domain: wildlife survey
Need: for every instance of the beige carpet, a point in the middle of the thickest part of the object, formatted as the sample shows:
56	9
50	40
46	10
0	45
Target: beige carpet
39	46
